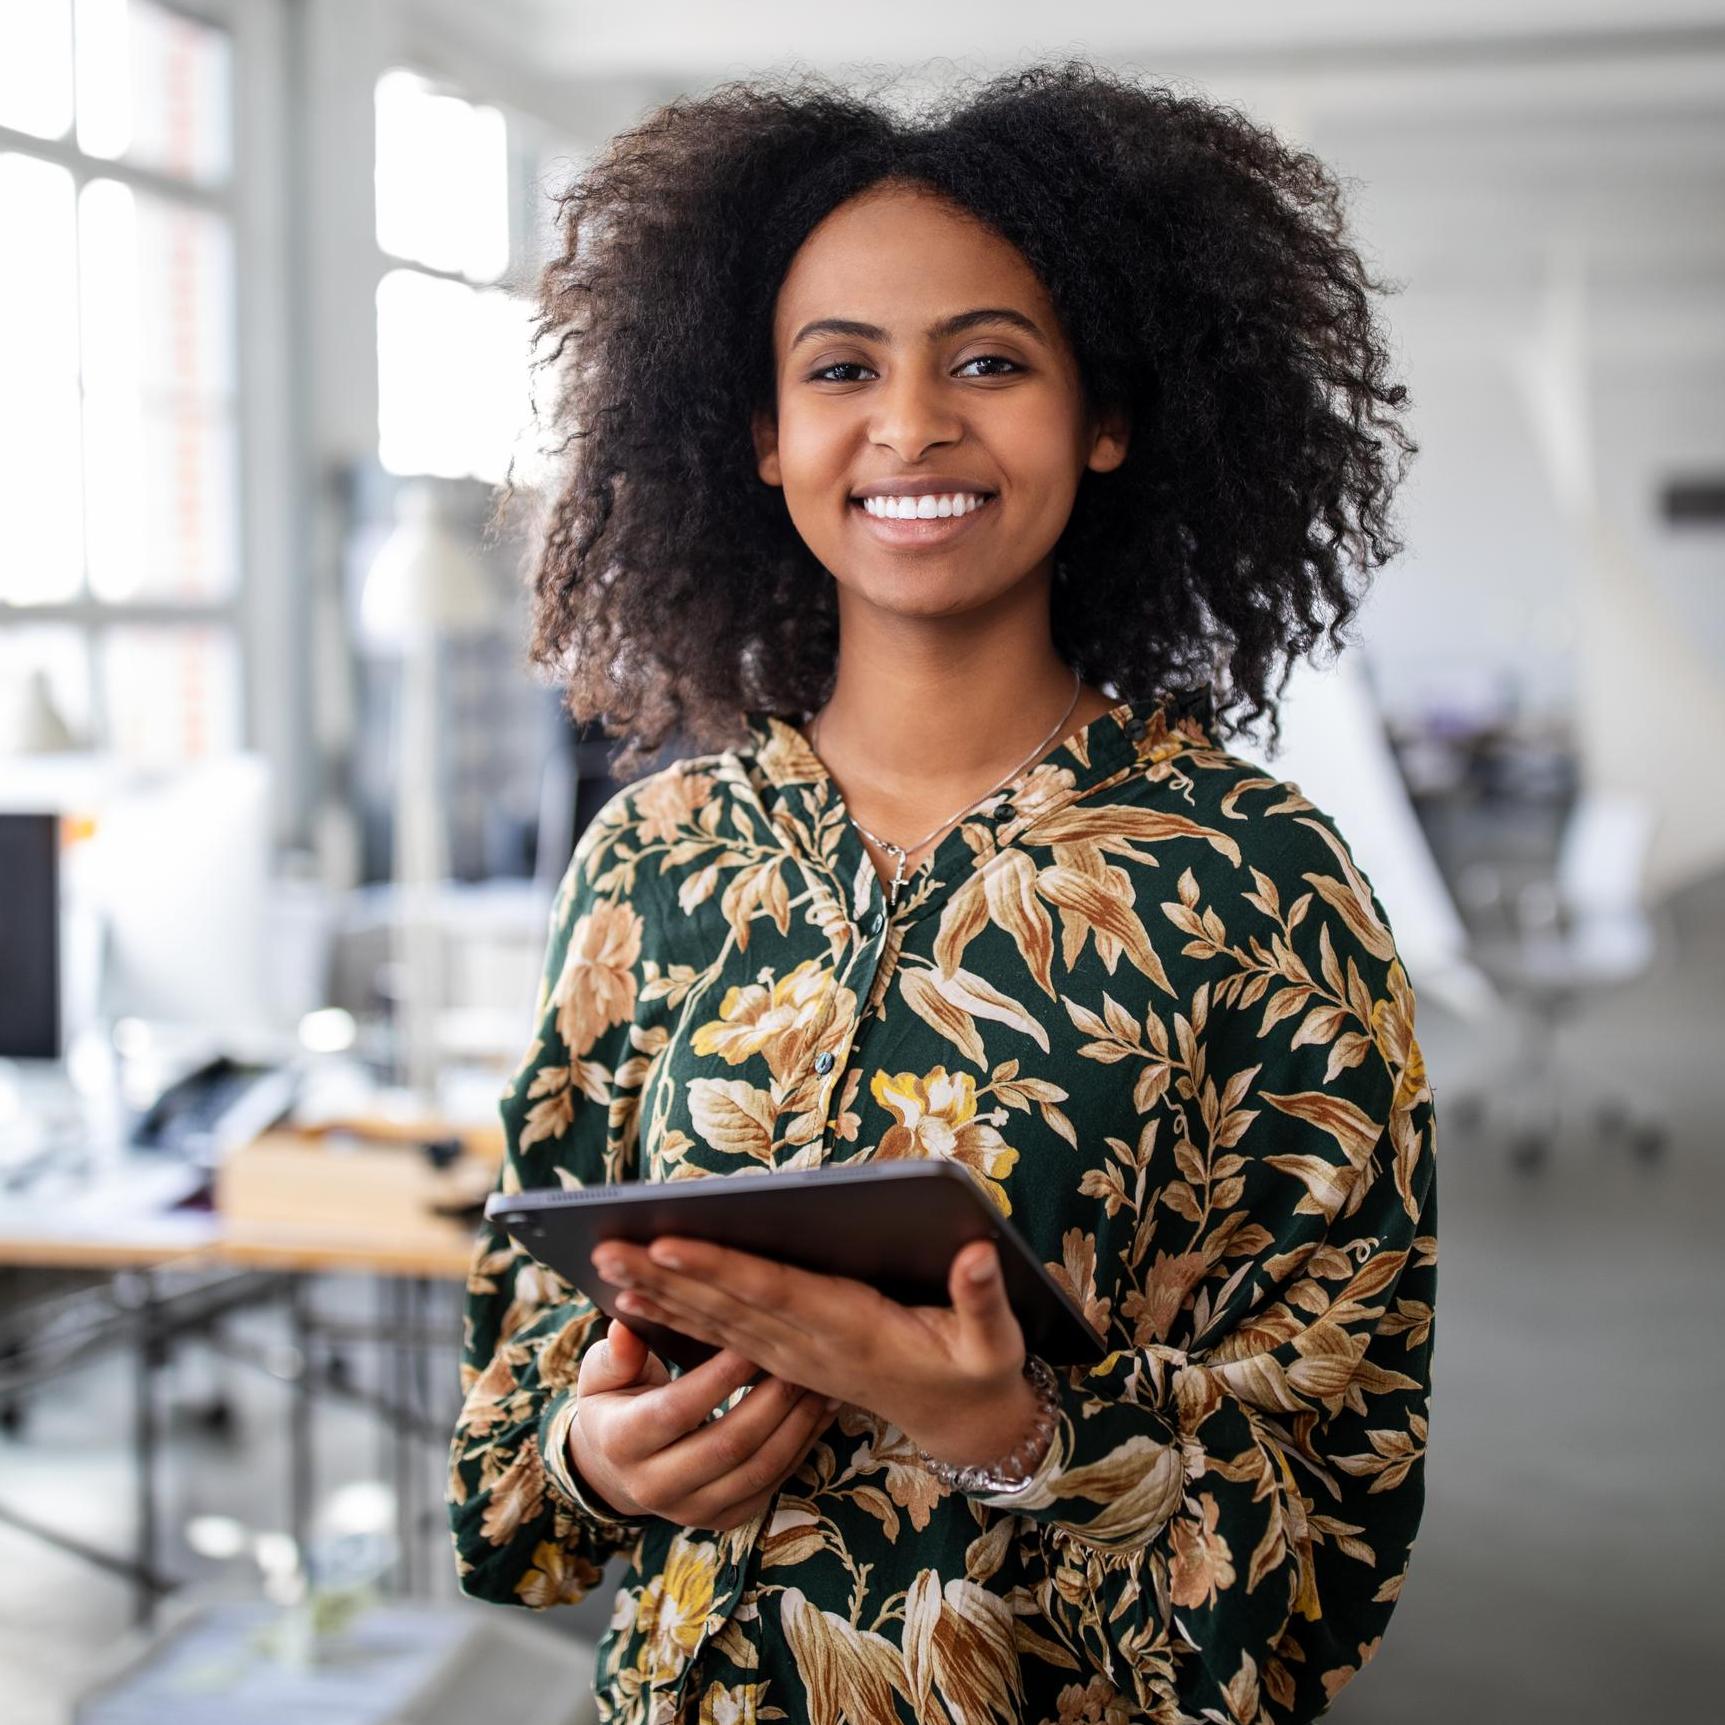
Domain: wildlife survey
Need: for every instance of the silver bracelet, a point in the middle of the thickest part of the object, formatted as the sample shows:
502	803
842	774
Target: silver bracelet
1015	1469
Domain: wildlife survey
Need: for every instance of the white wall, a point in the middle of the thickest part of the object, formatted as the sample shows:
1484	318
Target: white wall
1487	141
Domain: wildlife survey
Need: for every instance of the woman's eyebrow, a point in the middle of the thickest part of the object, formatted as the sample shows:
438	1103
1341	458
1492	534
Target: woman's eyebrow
945	326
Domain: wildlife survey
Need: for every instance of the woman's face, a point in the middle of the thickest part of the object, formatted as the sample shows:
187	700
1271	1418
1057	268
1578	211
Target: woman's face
918	356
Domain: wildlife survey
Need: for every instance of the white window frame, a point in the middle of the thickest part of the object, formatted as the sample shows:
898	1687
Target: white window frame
254	202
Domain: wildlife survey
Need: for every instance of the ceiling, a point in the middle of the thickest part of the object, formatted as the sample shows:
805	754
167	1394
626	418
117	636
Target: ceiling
700	39
1487	142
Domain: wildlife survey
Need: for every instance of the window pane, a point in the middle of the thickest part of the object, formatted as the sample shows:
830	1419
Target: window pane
41	497
162	484
153	88
557	168
172	691
58	655
451	376
161	462
502	333
36	66
442	179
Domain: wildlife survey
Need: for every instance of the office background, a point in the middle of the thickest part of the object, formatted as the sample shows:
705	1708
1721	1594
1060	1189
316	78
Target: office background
281	808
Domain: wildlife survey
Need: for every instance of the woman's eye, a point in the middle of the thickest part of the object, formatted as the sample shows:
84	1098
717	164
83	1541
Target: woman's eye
992	359
828	373
825	374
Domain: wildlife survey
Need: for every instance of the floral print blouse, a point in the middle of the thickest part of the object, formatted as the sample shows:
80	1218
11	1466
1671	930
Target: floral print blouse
1148	999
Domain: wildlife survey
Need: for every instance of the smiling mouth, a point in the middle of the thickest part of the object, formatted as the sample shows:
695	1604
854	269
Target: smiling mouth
922	506
927	525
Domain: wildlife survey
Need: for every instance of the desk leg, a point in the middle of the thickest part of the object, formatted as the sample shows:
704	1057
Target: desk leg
147	1361
301	1464
407	1343
393	1290
411	1456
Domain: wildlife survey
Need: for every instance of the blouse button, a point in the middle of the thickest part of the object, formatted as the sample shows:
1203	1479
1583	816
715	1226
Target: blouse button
876	922
1135	728
824	1061
1004	811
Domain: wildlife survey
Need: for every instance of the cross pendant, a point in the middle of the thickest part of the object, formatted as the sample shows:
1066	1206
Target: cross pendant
897	876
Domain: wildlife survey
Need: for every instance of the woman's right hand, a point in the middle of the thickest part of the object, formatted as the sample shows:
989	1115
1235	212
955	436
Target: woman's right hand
639	1443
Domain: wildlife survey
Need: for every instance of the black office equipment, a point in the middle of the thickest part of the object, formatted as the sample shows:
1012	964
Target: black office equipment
30	936
214	1109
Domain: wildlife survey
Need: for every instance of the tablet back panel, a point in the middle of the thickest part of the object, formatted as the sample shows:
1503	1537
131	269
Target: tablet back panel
894	1225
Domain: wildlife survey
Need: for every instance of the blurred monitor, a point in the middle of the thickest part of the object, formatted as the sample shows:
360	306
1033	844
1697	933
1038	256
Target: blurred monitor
181	880
30	936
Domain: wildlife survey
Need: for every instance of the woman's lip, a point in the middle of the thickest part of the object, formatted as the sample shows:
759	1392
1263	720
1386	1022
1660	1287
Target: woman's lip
917	530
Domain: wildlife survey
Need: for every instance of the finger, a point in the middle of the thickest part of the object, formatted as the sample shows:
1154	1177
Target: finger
763	1500
987	1323
820	1412
614	1362
678	1406
752	1277
799	1355
629	1343
712	1313
743	1468
752	1294
637	1309
718	1332
780	1340
693	1460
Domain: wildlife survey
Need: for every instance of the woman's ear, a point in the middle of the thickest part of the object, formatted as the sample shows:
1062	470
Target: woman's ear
1109	438
765	429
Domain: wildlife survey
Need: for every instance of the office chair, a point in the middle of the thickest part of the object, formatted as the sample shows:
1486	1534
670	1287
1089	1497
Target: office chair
1576	934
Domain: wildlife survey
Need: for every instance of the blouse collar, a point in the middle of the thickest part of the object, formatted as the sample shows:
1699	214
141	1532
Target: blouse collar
1144	729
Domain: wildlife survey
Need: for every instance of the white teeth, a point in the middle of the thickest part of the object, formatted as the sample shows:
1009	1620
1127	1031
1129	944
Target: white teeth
923	508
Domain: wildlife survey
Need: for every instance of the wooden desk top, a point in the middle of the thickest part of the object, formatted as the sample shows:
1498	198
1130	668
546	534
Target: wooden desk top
289	1200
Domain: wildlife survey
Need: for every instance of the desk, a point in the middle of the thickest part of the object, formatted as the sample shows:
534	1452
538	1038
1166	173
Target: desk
309	1202
287	1207
294	1200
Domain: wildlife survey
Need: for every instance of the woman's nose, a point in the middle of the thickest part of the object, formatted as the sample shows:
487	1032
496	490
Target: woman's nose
912	416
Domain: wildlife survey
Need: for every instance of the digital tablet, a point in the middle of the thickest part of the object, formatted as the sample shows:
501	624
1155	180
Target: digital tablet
895	1225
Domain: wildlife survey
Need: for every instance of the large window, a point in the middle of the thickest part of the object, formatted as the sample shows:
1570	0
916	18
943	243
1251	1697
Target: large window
452	327
120	563
464	194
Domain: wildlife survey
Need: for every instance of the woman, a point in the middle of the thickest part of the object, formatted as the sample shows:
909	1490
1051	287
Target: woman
917	468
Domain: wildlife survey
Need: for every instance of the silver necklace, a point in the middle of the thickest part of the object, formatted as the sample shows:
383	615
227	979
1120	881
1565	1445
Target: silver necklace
901	853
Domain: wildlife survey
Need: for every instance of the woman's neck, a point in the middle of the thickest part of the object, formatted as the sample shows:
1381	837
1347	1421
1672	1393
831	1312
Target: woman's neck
923	708
908	753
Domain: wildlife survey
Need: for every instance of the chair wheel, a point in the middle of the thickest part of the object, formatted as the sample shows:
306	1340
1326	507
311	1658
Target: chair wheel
216	1417
1647	1143
1466	1113
1528	1152
1611	1117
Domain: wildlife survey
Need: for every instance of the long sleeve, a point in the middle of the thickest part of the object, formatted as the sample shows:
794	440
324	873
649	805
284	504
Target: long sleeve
1227	1505
523	1529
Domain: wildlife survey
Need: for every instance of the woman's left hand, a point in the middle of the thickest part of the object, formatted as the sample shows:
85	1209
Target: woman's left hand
951	1379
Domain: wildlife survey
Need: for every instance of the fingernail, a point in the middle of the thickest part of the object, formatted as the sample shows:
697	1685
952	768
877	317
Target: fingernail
982	1270
832	1403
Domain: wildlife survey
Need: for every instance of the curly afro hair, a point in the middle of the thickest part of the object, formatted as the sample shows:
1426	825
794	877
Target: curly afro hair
1203	279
